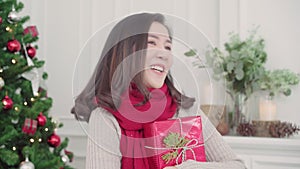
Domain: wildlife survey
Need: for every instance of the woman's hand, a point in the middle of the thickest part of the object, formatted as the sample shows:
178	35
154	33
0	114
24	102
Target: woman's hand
172	167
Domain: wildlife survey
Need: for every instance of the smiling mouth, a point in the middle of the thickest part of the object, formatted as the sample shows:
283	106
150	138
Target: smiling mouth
158	68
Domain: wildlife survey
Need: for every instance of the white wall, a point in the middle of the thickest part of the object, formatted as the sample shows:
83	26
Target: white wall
66	25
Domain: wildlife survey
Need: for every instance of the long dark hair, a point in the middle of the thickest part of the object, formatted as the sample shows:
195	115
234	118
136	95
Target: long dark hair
127	37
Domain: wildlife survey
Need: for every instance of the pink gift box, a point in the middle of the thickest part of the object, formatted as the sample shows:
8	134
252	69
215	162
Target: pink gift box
31	30
187	129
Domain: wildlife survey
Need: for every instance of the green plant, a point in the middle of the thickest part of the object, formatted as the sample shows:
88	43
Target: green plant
279	81
241	65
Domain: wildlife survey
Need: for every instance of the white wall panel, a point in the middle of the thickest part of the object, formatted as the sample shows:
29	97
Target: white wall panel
123	8
228	19
62	47
166	6
279	25
205	16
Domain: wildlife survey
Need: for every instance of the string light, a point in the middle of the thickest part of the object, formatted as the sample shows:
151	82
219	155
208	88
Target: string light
25	103
1	70
2	83
46	129
16	108
13	61
32	99
14	148
8	29
40	140
31	140
15	121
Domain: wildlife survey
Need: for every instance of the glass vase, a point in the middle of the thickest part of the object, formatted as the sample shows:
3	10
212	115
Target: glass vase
237	111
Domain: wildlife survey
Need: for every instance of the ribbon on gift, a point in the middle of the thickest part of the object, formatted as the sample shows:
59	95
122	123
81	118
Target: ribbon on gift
182	154
188	146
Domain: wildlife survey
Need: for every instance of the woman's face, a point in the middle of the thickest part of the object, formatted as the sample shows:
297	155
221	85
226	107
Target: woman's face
158	58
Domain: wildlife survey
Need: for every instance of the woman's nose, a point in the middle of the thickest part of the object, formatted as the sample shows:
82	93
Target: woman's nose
162	57
163	54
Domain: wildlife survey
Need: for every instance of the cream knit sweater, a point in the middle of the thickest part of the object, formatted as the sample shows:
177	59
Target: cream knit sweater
104	141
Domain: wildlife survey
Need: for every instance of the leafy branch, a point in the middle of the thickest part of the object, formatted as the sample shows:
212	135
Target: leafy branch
279	81
193	53
173	141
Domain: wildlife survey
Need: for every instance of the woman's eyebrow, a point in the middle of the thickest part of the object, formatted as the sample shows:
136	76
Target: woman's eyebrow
157	37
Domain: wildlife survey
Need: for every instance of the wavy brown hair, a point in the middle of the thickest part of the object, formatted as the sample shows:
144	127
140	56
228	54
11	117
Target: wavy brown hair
125	39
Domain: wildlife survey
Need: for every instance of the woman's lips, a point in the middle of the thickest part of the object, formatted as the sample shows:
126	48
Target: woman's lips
158	67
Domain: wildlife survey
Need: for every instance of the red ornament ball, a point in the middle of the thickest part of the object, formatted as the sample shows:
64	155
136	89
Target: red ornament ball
41	119
7	103
31	51
13	45
54	140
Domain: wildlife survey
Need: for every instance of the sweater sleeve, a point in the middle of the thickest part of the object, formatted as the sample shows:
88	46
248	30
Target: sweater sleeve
103	141
218	152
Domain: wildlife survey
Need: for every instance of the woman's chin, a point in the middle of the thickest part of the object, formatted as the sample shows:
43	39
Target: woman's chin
155	85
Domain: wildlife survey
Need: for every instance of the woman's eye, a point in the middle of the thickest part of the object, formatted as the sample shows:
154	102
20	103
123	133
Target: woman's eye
151	43
168	48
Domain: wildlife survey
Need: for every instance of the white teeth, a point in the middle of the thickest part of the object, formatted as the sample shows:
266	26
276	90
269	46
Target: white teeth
158	68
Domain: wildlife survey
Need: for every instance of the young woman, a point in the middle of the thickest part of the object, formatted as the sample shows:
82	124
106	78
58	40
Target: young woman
132	86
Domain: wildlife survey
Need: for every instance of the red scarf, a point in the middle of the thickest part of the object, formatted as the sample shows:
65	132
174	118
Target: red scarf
131	119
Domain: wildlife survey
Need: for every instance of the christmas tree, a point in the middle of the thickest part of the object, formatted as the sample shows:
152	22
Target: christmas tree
28	139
